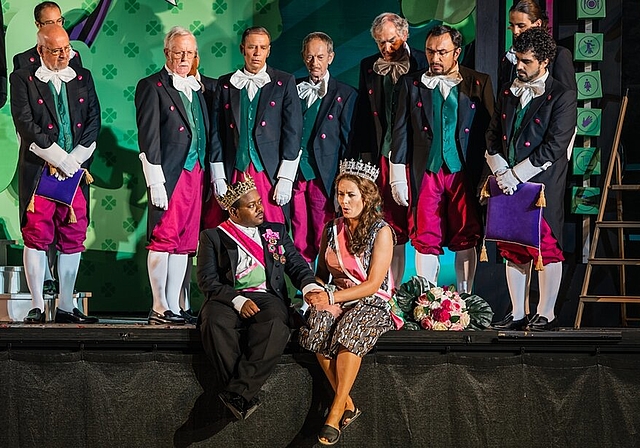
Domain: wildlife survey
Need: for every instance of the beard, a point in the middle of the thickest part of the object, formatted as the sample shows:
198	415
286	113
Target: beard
522	76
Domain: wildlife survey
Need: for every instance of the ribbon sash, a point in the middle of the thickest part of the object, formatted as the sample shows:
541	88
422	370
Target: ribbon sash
245	242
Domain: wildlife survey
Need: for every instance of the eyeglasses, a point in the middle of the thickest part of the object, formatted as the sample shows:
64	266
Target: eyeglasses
59	21
183	54
57	51
441	53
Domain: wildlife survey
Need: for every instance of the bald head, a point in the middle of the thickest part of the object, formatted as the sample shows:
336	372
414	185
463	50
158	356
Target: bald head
53	47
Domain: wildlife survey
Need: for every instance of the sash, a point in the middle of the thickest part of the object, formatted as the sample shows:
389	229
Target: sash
354	269
249	246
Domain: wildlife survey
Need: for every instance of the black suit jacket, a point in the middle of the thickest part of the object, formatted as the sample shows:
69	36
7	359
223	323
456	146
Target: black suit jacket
34	115
545	134
208	90
278	125
413	128
331	133
371	120
31	57
164	133
218	260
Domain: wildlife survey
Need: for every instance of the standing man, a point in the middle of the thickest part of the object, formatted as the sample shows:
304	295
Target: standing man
527	140
377	94
56	113
173	130
327	109
257	126
45	13
443	113
241	270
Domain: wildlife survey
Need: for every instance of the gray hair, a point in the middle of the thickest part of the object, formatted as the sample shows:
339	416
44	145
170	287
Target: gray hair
324	37
177	31
401	24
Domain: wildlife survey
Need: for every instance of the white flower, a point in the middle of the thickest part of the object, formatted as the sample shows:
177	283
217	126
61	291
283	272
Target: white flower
439	326
437	292
465	319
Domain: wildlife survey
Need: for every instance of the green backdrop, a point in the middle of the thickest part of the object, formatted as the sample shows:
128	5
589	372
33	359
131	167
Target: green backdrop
128	47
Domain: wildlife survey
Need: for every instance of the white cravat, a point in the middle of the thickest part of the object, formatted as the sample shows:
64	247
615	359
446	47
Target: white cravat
186	85
241	79
511	56
311	92
56	77
444	82
529	90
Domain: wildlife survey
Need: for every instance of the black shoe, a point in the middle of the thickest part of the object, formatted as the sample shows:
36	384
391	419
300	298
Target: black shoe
189	317
74	317
510	324
35	316
236	403
541	323
167	318
251	406
50	287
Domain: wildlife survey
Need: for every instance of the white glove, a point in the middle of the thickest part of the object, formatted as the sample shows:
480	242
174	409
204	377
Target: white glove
218	178
282	192
54	154
158	195
398	182
496	163
507	182
525	170
69	165
83	153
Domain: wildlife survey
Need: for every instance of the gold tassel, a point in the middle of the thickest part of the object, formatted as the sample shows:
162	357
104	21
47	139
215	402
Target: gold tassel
52	170
485	193
72	216
542	199
483	253
88	178
32	204
539	265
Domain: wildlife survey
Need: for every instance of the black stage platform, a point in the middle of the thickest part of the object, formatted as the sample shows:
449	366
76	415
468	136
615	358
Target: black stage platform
123	383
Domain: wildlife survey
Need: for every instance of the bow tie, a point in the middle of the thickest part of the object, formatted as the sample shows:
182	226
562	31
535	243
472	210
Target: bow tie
444	82
186	85
527	90
396	68
56	77
252	82
311	92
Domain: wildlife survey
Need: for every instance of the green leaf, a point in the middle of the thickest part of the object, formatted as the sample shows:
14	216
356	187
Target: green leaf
480	312
409	291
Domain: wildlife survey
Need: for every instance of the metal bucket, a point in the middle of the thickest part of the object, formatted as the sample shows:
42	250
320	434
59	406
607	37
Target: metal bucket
12	280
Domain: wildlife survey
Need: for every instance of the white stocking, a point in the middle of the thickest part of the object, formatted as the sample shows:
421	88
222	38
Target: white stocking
465	263
67	273
34	264
177	266
549	281
157	265
518	281
428	266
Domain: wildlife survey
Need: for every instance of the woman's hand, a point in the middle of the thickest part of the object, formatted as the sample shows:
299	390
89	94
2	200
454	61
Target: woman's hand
316	297
335	310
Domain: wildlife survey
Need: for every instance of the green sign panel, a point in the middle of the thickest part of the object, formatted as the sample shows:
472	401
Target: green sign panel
589	85
586	161
592	9
585	200
589	121
588	47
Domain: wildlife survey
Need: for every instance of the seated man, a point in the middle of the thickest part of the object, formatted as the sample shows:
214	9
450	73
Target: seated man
241	271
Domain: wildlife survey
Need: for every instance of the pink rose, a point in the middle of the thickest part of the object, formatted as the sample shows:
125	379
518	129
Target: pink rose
426	323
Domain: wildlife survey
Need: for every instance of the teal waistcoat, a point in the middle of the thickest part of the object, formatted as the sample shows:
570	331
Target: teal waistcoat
247	151
444	149
308	167
520	113
389	113
199	137
65	137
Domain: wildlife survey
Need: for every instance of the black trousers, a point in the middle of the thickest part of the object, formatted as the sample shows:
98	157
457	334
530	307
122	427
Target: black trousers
245	351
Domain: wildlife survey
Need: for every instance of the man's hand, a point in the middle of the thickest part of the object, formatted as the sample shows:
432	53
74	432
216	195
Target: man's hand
400	193
69	165
507	182
282	192
249	309
317	297
219	187
158	196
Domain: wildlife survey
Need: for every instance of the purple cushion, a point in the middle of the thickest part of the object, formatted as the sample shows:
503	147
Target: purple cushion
514	218
60	191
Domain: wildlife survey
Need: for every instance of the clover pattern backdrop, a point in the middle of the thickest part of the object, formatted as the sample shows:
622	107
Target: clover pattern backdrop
121	43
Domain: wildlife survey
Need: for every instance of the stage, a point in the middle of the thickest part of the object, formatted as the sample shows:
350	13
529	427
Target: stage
125	383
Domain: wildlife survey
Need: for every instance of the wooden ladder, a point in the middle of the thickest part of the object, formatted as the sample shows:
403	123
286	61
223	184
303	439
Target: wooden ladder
619	225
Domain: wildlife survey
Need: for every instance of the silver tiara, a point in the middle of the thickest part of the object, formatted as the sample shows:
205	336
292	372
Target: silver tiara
360	169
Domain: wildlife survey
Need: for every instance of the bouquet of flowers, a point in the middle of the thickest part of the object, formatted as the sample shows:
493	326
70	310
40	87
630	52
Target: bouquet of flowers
441	308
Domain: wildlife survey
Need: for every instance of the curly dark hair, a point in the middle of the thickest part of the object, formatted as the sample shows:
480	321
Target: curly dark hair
538	41
371	212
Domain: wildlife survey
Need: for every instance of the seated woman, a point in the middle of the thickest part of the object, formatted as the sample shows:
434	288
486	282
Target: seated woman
347	318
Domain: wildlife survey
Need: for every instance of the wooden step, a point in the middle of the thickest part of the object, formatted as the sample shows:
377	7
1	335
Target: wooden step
615	261
624	187
609	299
619	224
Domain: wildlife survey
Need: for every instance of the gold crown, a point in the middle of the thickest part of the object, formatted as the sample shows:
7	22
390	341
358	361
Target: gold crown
360	169
236	191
